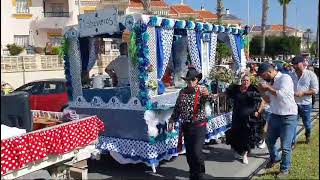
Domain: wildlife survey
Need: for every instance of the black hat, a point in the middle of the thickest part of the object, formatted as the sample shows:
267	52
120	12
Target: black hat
263	68
191	74
297	59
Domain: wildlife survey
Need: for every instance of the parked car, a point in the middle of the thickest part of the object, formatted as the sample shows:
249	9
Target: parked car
47	95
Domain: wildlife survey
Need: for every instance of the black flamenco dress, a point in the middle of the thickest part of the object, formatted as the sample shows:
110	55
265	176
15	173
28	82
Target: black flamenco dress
246	129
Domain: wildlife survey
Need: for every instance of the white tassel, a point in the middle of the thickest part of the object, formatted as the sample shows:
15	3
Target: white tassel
151	120
208	109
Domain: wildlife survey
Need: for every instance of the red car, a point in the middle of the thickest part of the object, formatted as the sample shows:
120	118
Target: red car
47	95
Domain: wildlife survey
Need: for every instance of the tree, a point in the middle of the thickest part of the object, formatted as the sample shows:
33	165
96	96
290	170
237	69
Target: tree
265	9
276	45
308	32
219	10
147	6
284	4
223	51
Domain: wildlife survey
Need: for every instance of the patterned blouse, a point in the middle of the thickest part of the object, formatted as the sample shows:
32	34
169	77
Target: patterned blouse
183	110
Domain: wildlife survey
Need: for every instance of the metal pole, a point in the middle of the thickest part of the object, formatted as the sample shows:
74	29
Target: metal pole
79	7
296	21
248	44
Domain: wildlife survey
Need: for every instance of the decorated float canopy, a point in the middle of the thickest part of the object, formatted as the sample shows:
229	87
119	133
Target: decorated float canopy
153	42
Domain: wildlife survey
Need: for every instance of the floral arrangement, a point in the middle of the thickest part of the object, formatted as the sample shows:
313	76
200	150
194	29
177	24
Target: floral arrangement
222	74
180	24
199	26
152	84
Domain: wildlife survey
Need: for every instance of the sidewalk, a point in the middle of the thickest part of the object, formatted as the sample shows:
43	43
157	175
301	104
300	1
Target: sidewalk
219	162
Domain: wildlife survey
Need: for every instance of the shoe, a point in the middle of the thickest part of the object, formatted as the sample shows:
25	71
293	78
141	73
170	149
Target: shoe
282	174
245	159
293	146
308	140
262	144
270	164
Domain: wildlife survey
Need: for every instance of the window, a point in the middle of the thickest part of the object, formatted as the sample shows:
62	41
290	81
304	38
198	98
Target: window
55	40
21	40
22	6
49	88
33	88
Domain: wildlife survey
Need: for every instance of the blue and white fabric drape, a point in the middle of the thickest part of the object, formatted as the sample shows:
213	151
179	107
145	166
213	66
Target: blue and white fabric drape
212	49
235	53
164	47
75	63
194	49
93	55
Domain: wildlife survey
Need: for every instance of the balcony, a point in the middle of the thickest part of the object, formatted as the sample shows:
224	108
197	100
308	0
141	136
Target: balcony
56	14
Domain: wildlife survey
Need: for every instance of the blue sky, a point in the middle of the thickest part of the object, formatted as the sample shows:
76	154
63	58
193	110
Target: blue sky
301	13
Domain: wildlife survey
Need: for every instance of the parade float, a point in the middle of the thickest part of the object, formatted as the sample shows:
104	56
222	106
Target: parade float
42	140
136	115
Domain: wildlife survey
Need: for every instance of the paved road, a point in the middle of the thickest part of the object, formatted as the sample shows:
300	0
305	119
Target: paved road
219	162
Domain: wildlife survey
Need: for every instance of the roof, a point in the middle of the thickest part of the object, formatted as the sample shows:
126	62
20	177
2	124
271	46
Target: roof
173	12
51	80
230	17
275	27
183	9
153	3
206	15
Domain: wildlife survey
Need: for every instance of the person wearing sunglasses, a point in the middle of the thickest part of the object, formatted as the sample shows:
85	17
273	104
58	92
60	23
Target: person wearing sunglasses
189	111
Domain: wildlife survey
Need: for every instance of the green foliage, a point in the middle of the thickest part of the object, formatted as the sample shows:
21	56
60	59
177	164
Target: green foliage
55	50
284	2
223	51
276	45
14	49
313	48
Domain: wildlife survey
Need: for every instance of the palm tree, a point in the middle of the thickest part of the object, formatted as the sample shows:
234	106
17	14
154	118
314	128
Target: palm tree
308	32
219	10
265	9
147	6
284	4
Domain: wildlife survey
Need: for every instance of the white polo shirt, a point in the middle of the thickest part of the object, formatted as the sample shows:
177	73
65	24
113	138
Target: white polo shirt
307	81
283	103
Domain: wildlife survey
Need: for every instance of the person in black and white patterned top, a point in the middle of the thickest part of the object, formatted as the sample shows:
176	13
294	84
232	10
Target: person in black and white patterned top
190	112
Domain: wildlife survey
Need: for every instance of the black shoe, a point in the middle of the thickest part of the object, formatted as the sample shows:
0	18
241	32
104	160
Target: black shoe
282	174
270	164
308	140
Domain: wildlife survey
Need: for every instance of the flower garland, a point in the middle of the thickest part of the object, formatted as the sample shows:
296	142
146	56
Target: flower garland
133	48
143	63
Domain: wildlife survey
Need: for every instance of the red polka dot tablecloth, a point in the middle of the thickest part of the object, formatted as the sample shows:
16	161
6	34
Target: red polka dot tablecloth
19	151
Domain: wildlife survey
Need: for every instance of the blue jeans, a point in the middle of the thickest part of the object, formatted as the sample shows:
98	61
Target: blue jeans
304	111
281	126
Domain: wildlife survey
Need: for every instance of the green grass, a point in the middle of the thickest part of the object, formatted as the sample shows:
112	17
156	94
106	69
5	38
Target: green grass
305	159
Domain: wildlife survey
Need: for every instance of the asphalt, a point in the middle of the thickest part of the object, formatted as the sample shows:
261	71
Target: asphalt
219	162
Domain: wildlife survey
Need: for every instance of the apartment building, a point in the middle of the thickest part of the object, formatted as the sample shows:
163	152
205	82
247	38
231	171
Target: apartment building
158	7
36	22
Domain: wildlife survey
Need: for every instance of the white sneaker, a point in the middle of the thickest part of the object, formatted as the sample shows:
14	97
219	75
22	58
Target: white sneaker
245	159
262	145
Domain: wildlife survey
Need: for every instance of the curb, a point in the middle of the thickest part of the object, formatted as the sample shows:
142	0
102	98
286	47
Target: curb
261	168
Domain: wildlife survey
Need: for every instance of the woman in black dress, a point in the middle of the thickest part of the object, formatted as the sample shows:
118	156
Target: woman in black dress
244	133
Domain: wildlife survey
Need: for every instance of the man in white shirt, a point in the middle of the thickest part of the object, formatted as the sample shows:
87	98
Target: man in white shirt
283	118
305	85
120	65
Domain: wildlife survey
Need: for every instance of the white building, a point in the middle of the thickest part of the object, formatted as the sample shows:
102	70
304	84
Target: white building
36	22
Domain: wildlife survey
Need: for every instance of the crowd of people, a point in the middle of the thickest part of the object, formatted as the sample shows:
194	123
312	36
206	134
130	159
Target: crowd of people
263	112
